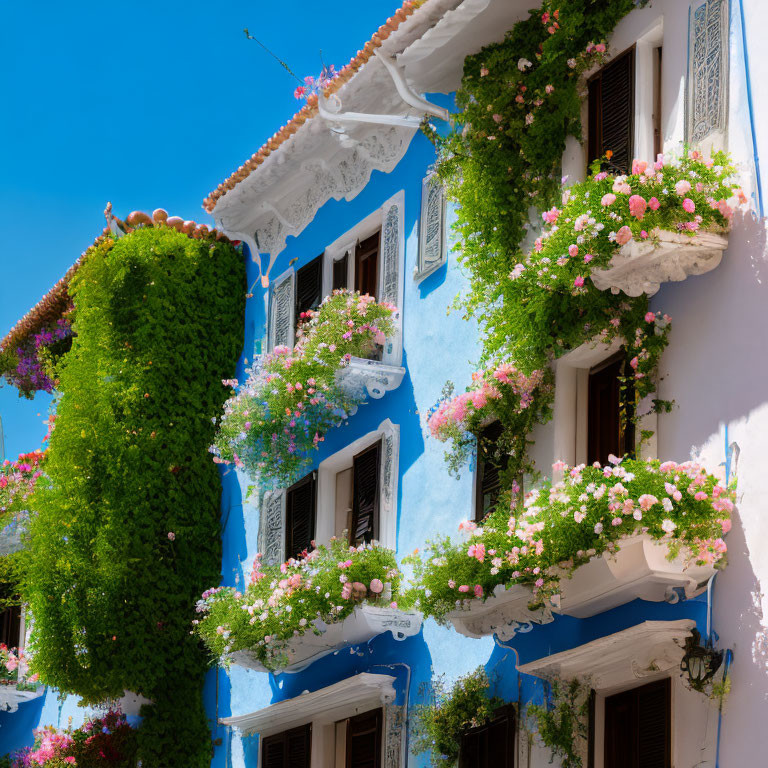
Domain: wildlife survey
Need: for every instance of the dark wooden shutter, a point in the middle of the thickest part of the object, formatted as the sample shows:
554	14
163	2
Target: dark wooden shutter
367	265
491	745
340	272
638	727
309	286
491	462
300	507
289	749
10	626
364	740
298	747
365	502
609	411
611	112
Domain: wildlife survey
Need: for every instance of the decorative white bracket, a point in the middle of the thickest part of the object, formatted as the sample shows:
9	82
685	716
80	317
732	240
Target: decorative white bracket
369	376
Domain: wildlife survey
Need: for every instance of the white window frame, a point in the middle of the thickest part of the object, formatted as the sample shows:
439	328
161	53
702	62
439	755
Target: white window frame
389	435
570	413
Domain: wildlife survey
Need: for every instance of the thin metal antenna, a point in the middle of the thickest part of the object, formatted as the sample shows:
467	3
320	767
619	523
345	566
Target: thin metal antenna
275	57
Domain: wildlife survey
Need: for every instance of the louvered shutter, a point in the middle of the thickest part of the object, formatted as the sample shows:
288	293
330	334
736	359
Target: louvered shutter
431	227
339	280
612	112
300	516
364	740
470	753
491	745
281	312
490	463
273	751
654	723
638	727
309	286
609	412
298	747
365	507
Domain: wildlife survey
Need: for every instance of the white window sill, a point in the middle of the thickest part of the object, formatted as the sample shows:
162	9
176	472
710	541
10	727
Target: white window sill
362	625
641	267
11	697
369	377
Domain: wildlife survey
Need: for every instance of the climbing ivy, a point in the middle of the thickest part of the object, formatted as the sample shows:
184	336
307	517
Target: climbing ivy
125	535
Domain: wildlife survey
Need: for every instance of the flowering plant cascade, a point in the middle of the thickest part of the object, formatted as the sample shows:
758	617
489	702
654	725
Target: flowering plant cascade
14	666
98	743
17	482
292	397
564	524
30	366
503	393
284	601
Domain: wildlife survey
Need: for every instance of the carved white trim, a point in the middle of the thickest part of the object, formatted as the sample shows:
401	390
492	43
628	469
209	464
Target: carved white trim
432	229
362	625
281	311
361	378
708	72
272	527
394	735
641	267
650	648
391	269
504	614
640	569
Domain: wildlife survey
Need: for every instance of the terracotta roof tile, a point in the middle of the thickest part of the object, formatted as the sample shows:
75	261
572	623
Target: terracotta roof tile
309	110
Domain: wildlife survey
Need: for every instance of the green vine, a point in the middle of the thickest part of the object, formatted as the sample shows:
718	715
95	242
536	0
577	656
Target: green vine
125	535
439	725
562	724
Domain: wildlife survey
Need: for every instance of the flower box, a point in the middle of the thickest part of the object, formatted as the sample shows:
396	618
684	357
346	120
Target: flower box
11	696
640	569
362	377
641	266
504	613
362	625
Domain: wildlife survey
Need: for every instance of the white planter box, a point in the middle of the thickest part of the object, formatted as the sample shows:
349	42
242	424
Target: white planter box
640	569
362	625
372	378
11	697
641	266
504	613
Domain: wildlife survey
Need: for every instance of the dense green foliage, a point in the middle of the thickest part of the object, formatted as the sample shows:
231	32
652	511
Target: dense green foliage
439	725
562	723
564	524
292	397
126	534
281	602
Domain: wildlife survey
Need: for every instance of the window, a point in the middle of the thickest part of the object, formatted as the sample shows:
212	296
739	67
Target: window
289	749
491	745
611	112
658	138
367	265
358	741
491	462
638	727
10	626
340	267
300	512
309	287
610	409
365	495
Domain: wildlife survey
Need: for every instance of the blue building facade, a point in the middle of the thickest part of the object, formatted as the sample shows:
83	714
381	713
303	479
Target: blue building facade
355	170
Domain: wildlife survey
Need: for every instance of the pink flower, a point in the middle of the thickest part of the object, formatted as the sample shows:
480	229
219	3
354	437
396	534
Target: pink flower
608	199
377	586
463	588
646	501
483	71
650	317
654	204
725	524
689	205
551	215
477	551
616	521
578	282
637	206
171	536
624	235
639	166
683	187
634	362
573	250
588	257
451	584
478	590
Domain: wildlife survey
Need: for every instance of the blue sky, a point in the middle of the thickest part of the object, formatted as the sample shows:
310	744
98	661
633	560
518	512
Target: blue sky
144	104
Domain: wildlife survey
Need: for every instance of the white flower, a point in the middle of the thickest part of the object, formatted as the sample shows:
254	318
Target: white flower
523	64
667	504
599	528
667	526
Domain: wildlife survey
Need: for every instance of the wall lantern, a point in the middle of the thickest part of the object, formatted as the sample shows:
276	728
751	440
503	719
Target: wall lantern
700	662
